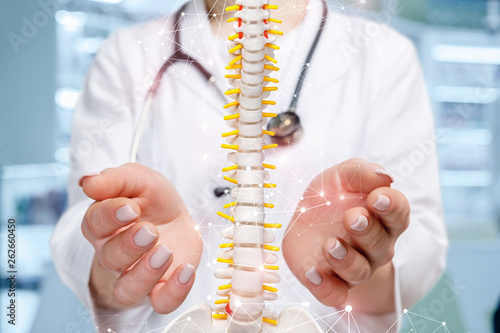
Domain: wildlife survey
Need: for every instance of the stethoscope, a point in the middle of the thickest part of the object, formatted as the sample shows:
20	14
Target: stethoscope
286	125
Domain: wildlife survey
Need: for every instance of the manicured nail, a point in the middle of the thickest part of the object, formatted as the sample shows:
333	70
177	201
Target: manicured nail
383	202
90	174
385	173
126	214
360	224
144	236
313	276
338	250
160	257
186	273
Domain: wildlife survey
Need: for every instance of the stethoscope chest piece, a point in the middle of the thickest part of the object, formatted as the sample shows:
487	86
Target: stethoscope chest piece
287	128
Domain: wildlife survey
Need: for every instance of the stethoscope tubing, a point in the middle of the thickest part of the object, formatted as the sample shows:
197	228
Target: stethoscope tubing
178	55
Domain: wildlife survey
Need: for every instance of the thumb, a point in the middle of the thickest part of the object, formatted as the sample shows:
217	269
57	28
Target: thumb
354	175
148	187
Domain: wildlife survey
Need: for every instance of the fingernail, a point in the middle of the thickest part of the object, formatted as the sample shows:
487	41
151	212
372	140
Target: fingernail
160	257
383	202
126	214
313	276
338	250
144	236
360	224
186	274
90	174
385	173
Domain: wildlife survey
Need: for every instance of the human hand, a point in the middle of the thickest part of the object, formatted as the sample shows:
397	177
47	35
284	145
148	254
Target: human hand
144	239
341	239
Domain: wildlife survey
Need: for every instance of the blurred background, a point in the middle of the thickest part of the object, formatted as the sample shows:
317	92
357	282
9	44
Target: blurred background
47	47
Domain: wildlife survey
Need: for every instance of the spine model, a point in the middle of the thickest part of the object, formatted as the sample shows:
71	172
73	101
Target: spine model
250	258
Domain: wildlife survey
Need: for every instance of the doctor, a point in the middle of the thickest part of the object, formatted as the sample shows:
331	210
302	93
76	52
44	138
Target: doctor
133	240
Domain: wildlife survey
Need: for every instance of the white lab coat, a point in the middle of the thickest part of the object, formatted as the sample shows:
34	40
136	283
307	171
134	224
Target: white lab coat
364	96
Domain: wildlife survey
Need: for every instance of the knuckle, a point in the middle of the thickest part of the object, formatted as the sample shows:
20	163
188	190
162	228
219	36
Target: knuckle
335	297
108	260
126	255
360	274
389	254
121	296
159	308
376	242
92	226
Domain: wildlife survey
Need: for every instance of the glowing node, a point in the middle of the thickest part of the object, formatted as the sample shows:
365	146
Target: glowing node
209	297
196	227
214	262
260	185
208	264
444	323
322	194
261	267
305	304
237	303
226	191
302	210
237	223
183	13
405	311
248	167
328	203
200	26
272	193
209	223
301	198
341	197
300	181
188	318
348	308
109	329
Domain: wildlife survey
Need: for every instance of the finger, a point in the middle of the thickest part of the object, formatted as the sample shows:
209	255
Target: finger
168	296
368	236
329	290
123	250
357	176
392	209
347	263
134	285
104	218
